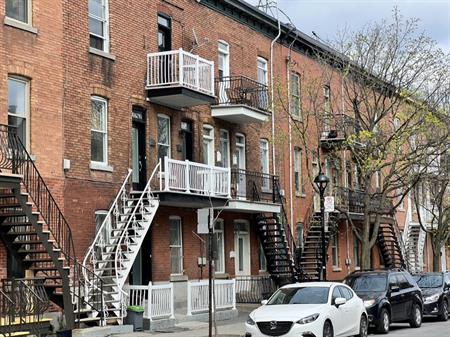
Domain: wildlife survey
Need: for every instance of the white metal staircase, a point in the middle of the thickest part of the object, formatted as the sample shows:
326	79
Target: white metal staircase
118	242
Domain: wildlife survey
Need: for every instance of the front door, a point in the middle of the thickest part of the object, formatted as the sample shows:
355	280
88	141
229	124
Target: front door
186	140
242	248
240	161
138	157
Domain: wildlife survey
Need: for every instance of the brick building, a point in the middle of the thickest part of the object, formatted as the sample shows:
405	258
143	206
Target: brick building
202	95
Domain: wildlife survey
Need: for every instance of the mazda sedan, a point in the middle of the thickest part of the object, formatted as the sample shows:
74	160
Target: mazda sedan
312	309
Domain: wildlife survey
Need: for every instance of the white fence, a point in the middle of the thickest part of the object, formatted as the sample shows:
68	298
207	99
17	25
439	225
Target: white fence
178	67
195	178
157	300
197	295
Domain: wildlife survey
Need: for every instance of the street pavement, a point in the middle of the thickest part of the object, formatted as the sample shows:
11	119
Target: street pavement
431	327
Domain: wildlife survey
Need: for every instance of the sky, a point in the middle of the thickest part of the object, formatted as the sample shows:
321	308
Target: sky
326	17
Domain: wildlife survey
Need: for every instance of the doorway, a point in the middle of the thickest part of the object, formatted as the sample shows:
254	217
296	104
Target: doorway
242	247
138	156
186	140
240	162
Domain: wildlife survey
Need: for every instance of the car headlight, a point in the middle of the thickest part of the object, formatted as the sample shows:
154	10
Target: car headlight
369	303
250	321
308	319
432	298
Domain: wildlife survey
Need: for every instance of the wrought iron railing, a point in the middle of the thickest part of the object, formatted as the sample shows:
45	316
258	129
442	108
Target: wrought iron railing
337	126
242	90
254	289
15	158
353	201
252	186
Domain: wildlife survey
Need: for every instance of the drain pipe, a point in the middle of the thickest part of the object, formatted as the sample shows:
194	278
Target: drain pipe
272	44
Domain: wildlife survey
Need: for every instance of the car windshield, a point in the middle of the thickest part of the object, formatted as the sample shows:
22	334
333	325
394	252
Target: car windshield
300	295
428	281
373	283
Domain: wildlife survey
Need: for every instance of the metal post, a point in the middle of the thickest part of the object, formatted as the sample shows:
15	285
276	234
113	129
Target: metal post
323	273
210	255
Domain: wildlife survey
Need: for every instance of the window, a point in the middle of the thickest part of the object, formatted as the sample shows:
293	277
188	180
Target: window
208	145
219	261
99	134
326	99
298	171
224	60
356	251
264	152
346	293
295	96
225	148
163	137
18	107
262	258
335	250
176	246
19	10
263	99
98	25
100	217
164	33
240	151
336	294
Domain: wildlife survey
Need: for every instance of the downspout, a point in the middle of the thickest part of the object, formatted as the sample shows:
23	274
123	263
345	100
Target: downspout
272	44
291	193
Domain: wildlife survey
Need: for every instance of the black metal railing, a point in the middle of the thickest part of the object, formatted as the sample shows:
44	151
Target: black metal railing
352	201
337	126
242	90
14	157
254	289
252	186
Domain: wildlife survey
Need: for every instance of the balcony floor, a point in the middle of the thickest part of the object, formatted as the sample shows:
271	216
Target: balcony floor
244	206
178	97
188	200
239	113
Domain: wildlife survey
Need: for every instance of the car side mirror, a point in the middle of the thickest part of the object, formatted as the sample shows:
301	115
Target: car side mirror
339	301
395	289
264	302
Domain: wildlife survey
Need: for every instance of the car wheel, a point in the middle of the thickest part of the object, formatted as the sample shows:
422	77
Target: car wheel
384	322
416	316
363	327
444	312
327	329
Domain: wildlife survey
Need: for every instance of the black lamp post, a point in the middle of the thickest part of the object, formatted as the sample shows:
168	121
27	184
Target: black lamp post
321	182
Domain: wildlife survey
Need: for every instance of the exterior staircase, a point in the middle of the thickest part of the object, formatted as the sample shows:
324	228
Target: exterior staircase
414	245
118	241
391	246
37	235
311	257
278	243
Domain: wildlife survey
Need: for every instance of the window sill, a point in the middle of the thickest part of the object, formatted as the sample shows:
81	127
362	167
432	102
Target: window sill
178	278
20	25
100	167
102	53
337	269
222	276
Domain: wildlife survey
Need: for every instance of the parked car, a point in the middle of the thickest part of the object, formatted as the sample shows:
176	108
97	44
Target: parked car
436	293
310	309
389	296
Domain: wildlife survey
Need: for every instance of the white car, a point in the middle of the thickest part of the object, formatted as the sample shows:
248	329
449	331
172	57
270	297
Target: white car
312	309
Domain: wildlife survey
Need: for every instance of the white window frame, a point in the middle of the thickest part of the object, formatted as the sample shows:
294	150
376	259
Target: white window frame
105	132
264	149
225	53
106	235
262	65
295	101
241	145
335	250
169	154
222	141
26	114
105	22
180	227
29	21
210	141
298	171
221	253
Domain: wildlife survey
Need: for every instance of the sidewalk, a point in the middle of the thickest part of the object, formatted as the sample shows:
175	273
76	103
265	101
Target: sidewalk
229	328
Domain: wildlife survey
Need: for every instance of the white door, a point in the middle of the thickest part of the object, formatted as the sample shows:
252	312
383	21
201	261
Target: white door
242	248
264	153
240	161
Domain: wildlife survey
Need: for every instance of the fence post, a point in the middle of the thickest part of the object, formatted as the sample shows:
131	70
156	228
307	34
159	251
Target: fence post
197	72
212	79
229	183
181	67
189	307
172	302
187	176
166	173
234	294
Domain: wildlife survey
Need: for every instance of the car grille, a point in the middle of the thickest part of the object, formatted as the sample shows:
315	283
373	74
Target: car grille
274	328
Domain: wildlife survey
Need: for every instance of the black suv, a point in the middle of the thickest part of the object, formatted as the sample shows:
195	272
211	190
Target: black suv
436	293
389	296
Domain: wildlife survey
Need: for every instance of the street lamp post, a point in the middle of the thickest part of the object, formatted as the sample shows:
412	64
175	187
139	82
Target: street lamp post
321	182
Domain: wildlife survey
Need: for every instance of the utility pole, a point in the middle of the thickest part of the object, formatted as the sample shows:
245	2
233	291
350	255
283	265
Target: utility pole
210	265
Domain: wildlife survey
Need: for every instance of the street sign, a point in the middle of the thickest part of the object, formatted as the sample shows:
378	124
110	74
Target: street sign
329	204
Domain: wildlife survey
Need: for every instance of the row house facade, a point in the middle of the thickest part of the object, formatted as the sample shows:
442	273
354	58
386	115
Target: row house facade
135	116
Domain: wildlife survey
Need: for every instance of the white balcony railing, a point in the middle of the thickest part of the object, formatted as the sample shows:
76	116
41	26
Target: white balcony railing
197	295
157	300
180	68
195	178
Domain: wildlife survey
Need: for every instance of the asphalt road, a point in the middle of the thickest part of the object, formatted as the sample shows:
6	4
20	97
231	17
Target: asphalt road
431	327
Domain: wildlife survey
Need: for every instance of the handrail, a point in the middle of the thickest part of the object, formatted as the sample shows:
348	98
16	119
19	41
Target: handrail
124	236
14	156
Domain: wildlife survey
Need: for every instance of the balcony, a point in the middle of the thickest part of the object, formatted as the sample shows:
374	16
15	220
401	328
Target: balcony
241	100
179	79
190	184
335	128
352	201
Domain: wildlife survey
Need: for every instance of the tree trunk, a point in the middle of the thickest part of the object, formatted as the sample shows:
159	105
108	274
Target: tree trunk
436	245
365	244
